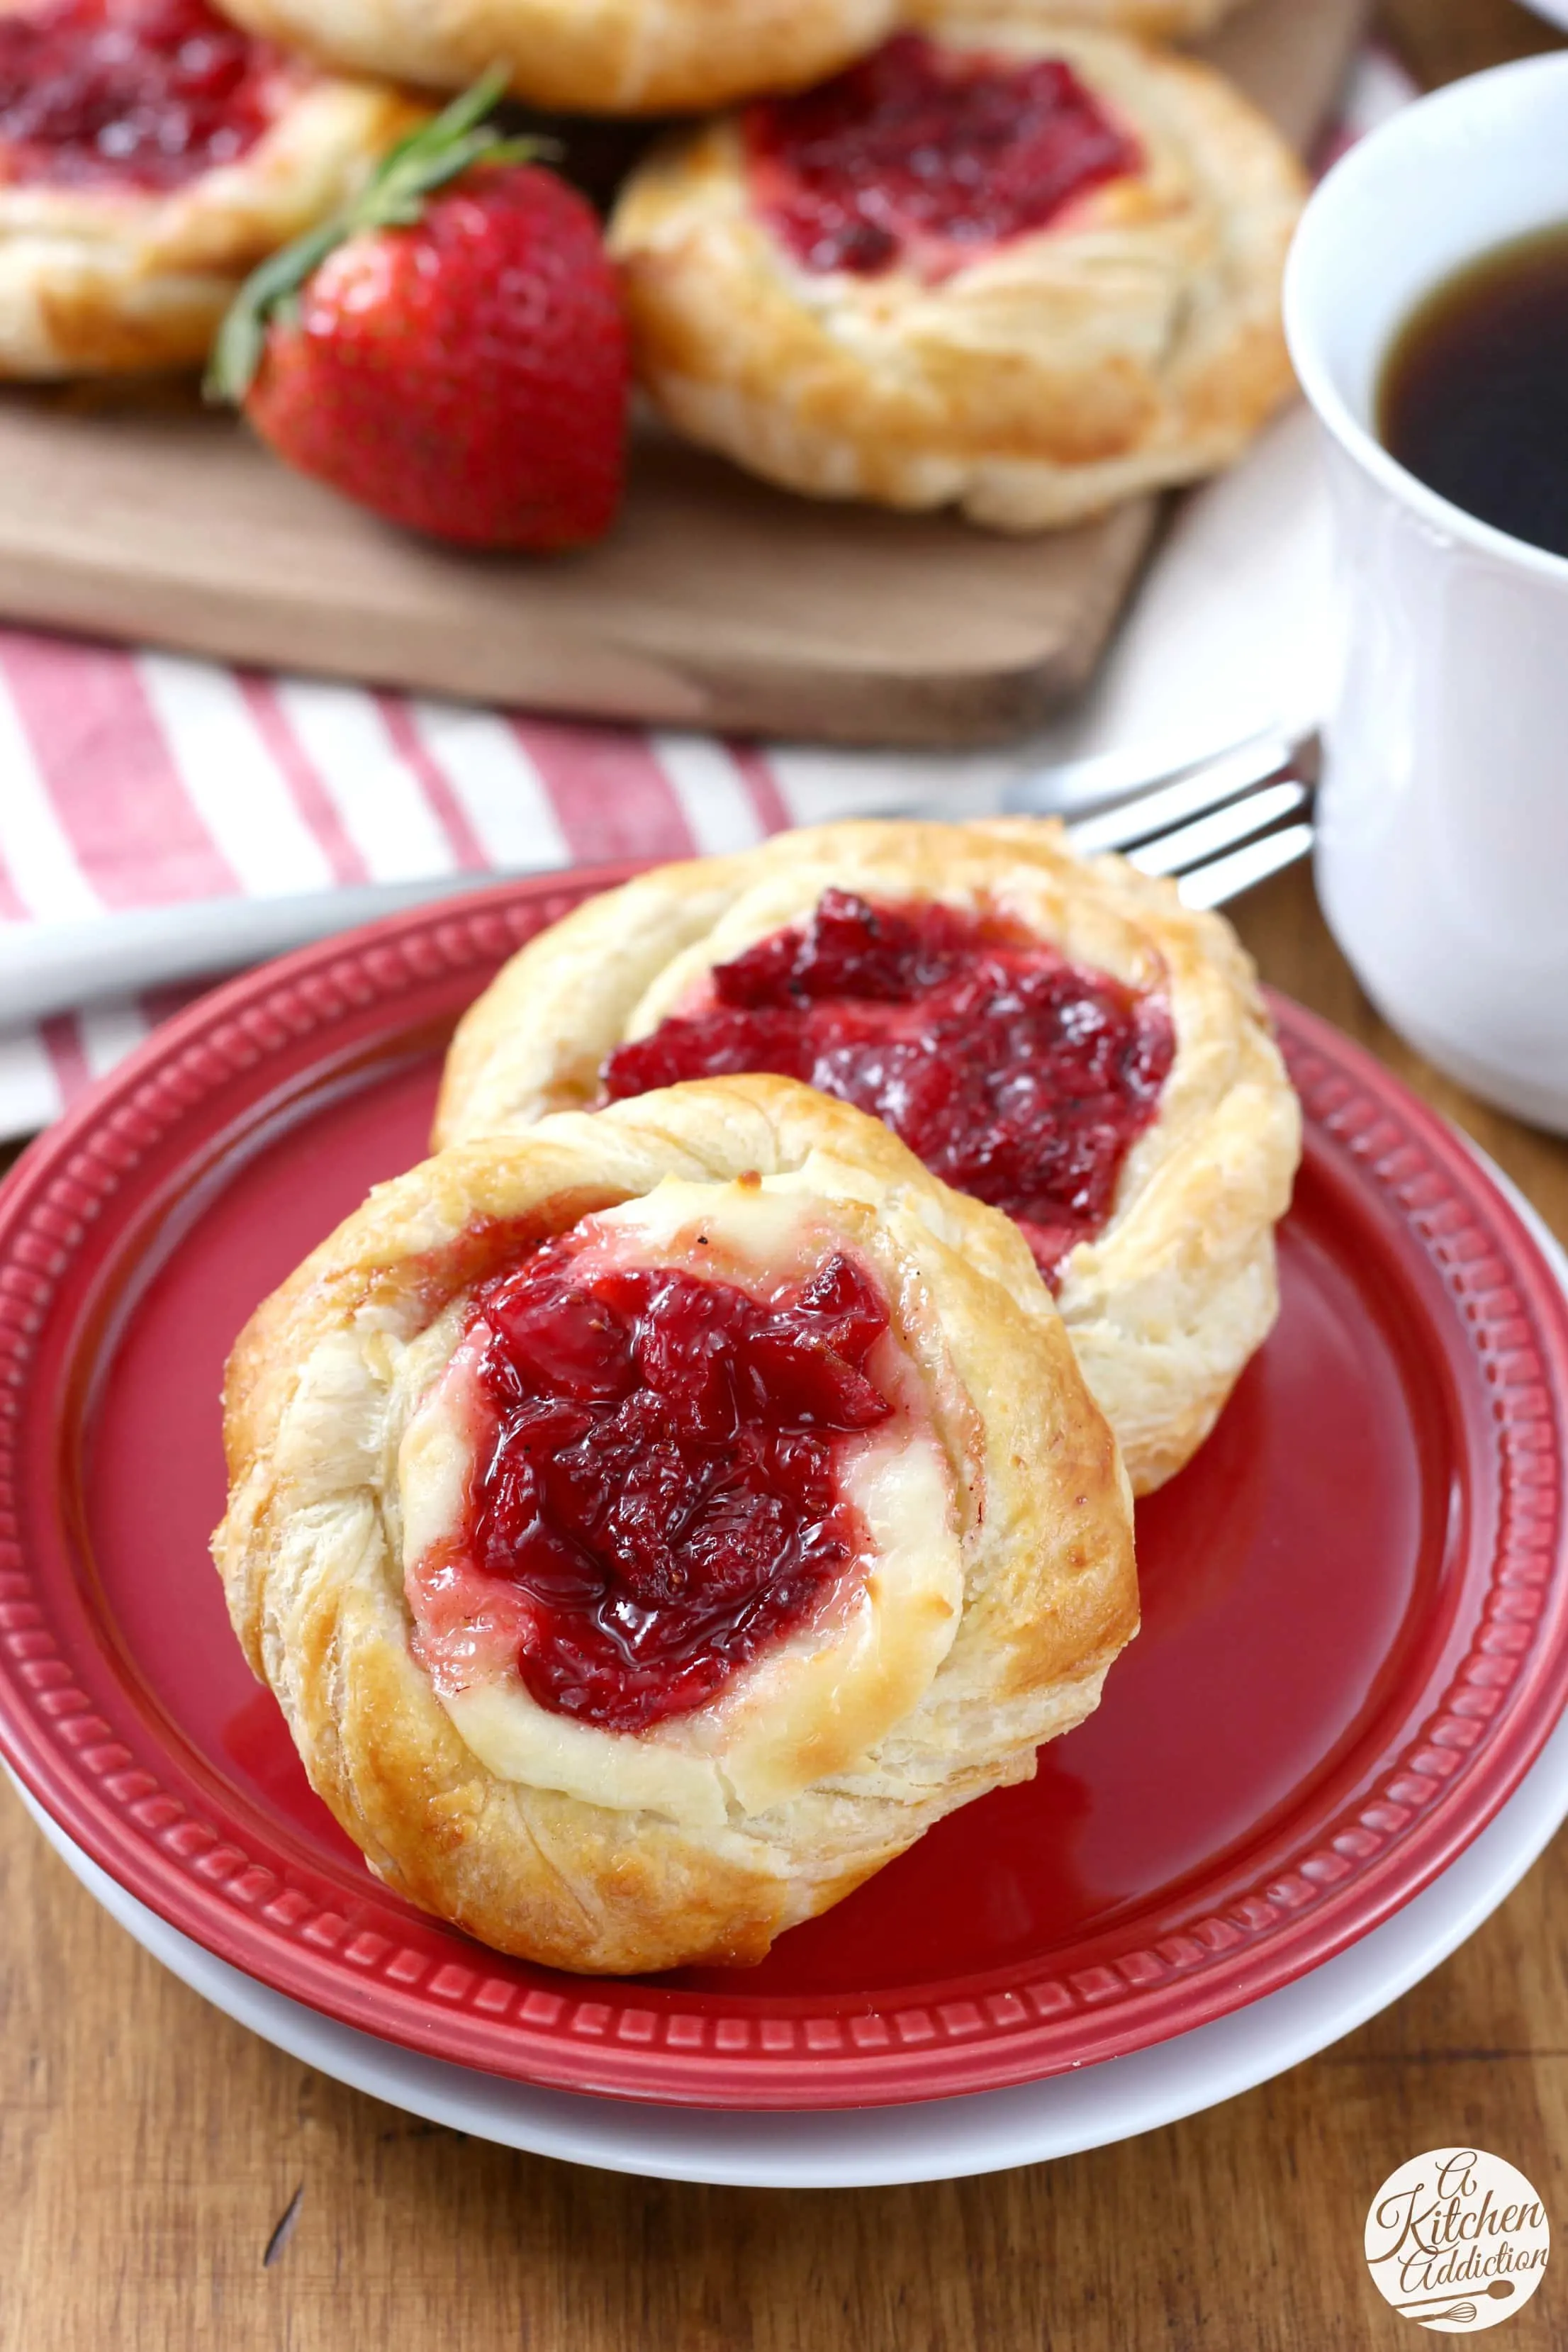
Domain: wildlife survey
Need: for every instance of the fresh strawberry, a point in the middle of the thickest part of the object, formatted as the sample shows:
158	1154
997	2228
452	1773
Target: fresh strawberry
451	352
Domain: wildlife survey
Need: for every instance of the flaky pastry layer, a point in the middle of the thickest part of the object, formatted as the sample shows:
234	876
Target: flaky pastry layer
599	57
1177	20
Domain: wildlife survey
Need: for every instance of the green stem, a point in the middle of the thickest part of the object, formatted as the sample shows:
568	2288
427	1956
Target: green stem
429	157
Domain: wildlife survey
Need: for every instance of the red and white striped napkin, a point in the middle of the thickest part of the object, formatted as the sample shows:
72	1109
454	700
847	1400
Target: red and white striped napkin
137	779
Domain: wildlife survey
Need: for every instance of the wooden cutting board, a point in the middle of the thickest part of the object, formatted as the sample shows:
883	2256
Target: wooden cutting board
719	602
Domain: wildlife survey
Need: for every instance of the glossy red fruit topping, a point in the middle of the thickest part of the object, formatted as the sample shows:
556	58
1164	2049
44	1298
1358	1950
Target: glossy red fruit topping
1015	1074
145	92
929	154
466	376
660	1482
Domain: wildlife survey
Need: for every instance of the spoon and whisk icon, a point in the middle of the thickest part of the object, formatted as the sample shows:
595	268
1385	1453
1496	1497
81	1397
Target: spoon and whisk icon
1498	2292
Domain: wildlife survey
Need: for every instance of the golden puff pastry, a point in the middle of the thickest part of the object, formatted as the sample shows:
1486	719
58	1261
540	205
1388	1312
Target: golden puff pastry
1153	1207
652	1523
118	252
835	316
593	57
1176	20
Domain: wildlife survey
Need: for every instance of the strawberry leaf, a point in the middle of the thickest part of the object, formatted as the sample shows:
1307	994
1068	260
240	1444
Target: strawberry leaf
427	158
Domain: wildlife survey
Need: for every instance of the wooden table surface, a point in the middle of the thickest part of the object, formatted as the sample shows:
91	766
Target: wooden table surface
149	2148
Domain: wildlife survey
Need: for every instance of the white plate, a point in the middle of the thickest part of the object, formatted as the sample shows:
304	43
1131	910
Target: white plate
942	2139
874	2146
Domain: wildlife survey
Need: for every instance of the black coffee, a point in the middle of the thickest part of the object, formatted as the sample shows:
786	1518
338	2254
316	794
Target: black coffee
1474	396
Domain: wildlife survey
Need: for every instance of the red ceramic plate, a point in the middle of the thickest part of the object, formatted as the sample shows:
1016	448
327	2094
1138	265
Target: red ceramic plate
1354	1637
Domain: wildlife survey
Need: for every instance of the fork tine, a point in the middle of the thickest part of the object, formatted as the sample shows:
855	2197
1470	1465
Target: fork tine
1224	878
1222	829
1109	778
1193	795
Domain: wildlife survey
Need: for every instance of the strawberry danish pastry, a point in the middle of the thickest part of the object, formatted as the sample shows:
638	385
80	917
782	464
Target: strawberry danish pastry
1061	1038
1026	269
652	1523
149	155
591	56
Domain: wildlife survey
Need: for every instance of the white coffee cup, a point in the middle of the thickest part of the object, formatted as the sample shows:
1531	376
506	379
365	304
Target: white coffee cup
1442	856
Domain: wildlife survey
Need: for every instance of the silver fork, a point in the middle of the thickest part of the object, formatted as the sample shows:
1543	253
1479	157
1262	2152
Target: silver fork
1222	827
1219	824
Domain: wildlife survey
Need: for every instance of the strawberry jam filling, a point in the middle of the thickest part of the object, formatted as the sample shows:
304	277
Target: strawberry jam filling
658	1486
1015	1074
145	92
928	155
